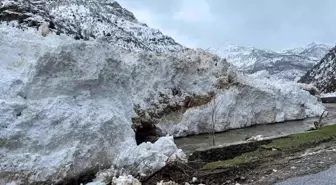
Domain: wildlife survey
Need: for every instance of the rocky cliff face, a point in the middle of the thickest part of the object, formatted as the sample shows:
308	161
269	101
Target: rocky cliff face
88	19
323	75
70	108
289	64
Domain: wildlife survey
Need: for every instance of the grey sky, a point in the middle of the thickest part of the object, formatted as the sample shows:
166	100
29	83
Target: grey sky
269	24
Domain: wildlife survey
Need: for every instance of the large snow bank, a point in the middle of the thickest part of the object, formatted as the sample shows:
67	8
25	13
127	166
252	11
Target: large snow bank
250	101
67	107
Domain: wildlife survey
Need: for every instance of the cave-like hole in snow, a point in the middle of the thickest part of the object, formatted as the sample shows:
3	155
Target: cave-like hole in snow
147	132
83	178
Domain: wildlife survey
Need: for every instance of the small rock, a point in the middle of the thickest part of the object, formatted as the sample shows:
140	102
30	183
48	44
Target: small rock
228	181
274	170
293	167
237	183
242	178
194	179
274	149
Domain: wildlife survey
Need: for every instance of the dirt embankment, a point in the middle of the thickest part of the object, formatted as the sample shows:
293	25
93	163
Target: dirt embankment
260	162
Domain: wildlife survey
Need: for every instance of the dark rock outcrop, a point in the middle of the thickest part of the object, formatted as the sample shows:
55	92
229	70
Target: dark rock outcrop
323	75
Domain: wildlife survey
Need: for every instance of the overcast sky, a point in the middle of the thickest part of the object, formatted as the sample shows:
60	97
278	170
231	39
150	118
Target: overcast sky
268	24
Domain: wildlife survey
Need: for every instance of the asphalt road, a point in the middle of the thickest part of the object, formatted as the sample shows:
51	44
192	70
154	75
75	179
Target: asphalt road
327	177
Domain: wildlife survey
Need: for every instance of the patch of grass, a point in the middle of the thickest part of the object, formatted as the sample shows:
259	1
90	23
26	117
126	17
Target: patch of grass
244	159
237	161
302	140
292	143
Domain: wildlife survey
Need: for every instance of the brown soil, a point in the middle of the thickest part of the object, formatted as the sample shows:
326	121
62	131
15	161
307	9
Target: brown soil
263	164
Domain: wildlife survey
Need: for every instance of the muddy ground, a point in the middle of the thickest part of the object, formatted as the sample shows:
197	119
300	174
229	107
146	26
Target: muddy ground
311	161
260	163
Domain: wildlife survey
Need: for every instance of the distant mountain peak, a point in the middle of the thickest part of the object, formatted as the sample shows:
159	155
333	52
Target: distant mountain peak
289	64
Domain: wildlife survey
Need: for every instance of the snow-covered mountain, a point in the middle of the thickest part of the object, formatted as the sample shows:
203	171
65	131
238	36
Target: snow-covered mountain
88	19
313	50
73	106
287	64
323	75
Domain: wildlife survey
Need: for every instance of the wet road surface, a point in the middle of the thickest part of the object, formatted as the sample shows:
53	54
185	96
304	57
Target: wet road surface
327	177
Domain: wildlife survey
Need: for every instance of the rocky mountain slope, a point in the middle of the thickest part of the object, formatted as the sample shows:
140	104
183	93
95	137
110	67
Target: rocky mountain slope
88	19
323	75
73	107
288	64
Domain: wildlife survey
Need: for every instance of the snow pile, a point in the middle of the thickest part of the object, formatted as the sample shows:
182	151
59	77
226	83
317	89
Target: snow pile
256	138
121	180
152	157
125	180
323	75
248	101
145	160
310	88
68	107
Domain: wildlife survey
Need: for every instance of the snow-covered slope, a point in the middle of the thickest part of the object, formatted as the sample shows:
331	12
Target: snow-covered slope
323	75
71	107
312	50
88	19
287	64
68	107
